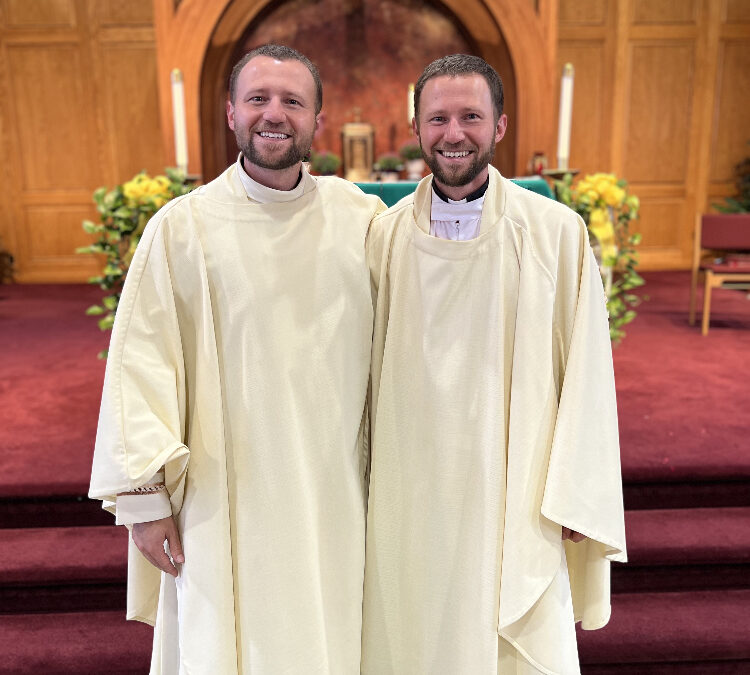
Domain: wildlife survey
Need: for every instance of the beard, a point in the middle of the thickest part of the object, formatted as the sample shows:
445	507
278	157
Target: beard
296	152
459	176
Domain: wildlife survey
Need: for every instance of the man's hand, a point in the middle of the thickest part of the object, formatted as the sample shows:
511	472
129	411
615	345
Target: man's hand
149	538
574	536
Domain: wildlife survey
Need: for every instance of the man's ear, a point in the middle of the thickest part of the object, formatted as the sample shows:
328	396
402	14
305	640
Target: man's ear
502	125
414	126
230	114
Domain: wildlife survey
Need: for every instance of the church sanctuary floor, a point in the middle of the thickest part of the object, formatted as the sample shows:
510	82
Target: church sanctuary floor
679	606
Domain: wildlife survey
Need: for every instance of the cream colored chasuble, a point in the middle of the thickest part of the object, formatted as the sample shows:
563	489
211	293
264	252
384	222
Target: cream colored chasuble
493	423
239	362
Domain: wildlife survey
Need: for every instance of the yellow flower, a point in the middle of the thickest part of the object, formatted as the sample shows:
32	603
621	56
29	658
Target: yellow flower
614	195
136	188
601	184
601	226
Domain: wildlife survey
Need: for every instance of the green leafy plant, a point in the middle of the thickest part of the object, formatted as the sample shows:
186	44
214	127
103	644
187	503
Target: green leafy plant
6	265
325	163
740	203
608	209
123	213
389	162
410	151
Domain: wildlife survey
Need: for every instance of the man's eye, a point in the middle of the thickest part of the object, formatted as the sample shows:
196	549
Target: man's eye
255	99
293	101
437	118
472	116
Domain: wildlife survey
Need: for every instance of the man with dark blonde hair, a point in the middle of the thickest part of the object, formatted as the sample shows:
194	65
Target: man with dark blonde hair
495	500
233	415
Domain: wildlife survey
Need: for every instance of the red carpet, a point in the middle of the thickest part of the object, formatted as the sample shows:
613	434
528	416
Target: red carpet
680	605
50	388
683	399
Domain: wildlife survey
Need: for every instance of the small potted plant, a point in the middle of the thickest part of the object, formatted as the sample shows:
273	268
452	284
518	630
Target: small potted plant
325	163
412	156
388	167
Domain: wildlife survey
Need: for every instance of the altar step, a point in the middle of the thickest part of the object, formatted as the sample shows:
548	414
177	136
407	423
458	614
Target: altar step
685	550
704	632
64	569
73	643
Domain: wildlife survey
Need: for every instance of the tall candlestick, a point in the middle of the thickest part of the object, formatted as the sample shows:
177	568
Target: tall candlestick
180	125
566	116
410	104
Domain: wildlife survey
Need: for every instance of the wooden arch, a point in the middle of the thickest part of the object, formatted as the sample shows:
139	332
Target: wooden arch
199	37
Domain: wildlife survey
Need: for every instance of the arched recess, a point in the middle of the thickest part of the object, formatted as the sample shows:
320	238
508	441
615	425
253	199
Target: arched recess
199	38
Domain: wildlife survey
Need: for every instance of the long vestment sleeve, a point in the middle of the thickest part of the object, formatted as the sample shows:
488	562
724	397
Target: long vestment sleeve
583	490
563	462
142	417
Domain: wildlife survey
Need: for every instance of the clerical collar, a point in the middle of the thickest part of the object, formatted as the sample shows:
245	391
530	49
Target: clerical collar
479	192
265	195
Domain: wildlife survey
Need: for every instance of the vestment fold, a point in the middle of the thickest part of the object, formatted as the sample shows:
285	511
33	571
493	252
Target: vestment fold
493	425
239	362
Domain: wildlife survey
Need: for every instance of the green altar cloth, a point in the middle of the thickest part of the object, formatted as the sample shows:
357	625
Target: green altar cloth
390	193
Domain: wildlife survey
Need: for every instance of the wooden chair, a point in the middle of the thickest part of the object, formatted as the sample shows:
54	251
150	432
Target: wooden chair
722	242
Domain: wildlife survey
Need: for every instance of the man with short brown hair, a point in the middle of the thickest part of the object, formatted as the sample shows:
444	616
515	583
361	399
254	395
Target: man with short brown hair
233	414
495	500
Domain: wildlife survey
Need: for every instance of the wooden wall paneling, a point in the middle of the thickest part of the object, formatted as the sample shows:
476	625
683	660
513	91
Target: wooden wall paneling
664	217
52	104
661	81
620	77
56	150
8	207
79	109
655	125
587	40
40	13
53	233
708	42
130	102
130	13
592	91
736	11
664	11
730	131
583	12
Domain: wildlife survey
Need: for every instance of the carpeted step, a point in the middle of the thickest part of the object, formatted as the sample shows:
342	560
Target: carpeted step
684	494
62	569
52	511
732	667
74	643
685	549
671	628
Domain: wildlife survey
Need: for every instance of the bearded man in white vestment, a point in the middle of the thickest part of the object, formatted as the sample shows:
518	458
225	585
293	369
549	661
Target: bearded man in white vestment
495	498
233	416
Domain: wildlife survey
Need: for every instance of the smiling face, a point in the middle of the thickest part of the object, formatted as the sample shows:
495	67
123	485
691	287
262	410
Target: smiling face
458	132
273	118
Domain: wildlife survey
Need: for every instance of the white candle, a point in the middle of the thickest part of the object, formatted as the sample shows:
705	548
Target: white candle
410	104
180	125
566	116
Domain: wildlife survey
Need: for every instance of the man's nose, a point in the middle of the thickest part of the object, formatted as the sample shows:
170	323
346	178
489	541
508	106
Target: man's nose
274	111
454	133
